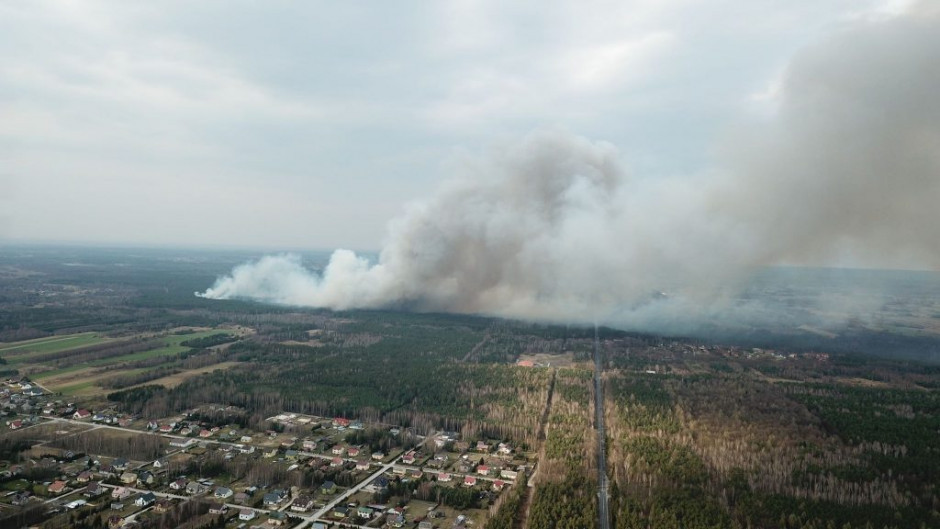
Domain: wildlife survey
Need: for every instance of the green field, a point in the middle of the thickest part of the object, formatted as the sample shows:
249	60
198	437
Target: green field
75	388
57	372
20	352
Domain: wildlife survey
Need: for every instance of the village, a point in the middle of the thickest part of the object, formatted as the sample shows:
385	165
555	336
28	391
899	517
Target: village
305	471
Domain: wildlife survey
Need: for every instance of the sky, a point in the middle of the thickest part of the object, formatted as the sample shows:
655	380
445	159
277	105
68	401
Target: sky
311	125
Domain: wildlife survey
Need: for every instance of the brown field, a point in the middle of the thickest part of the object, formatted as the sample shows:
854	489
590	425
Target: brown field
554	360
862	382
83	382
171	381
309	343
47	431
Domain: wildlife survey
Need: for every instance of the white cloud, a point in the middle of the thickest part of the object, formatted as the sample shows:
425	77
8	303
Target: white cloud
356	106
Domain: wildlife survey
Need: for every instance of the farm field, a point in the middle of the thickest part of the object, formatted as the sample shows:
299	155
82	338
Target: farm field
20	352
93	376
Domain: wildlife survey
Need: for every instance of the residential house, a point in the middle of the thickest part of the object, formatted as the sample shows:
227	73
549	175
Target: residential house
179	484
365	512
81	414
338	450
378	456
94	489
120	464
277	519
57	487
302	504
128	478
352	451
379	484
145	499
483	470
444	477
336	462
115	521
274	498
162	505
195	488
241	497
84	477
21	499
120	493
498	485
75	504
182	443
223	492
146	477
246	515
218	508
395	520
160	463
340	511
328	487
469	481
362	465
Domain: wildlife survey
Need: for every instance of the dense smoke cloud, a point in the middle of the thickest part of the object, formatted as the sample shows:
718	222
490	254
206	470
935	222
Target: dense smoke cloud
553	228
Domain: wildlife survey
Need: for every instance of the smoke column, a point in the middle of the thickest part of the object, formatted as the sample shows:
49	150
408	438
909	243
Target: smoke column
552	227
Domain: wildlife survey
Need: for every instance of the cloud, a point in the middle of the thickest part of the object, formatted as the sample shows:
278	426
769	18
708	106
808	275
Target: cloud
350	106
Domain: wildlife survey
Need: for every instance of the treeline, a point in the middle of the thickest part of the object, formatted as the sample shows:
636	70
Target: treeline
376	439
160	366
209	341
507	513
98	352
139	447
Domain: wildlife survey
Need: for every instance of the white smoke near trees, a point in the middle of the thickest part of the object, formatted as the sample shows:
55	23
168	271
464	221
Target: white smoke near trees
552	227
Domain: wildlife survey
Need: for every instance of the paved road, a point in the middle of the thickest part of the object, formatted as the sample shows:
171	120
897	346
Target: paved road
603	513
385	468
234	506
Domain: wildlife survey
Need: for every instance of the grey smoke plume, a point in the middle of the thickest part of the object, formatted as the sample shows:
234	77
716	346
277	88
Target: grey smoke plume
552	227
